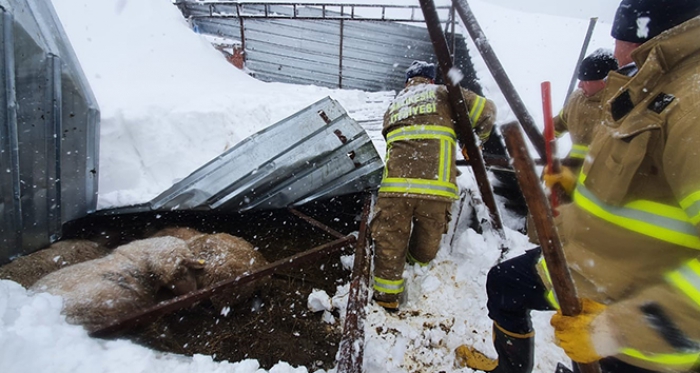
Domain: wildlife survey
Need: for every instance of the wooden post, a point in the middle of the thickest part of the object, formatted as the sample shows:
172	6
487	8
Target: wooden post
466	134
353	342
544	223
494	65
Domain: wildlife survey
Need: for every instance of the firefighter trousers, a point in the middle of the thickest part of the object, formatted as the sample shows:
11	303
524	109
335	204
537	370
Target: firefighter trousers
406	227
514	288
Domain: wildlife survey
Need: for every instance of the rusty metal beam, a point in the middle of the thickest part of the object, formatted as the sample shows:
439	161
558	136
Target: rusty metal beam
352	344
177	303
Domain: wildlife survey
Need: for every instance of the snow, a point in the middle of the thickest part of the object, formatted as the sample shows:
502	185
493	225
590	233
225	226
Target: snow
170	102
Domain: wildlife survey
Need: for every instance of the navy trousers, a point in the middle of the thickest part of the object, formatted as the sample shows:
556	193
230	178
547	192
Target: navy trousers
514	289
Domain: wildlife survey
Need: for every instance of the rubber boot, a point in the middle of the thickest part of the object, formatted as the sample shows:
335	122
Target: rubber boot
515	353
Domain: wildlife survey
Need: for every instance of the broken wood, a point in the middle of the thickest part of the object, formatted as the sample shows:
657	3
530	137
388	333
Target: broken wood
465	132
353	342
152	313
499	74
541	213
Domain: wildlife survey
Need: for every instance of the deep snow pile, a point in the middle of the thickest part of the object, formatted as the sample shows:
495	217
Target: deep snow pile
170	103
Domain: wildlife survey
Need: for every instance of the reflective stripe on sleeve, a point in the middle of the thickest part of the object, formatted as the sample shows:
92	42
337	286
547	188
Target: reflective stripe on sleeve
663	222
578	151
691	205
679	361
550	295
561	117
687	280
476	110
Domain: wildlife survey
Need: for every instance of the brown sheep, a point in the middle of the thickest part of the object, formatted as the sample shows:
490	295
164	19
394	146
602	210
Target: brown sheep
128	280
183	233
225	256
27	269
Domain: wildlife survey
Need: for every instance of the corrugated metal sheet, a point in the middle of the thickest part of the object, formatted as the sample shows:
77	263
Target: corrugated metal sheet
49	131
317	153
367	55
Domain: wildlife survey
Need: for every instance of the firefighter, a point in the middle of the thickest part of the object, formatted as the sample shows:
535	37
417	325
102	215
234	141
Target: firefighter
632	242
581	115
412	210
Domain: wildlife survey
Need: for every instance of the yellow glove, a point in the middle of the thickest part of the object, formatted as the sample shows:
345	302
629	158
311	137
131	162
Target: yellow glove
565	178
573	333
464	153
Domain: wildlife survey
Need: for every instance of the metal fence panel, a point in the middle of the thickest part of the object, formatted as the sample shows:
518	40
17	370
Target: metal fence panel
49	133
318	152
355	54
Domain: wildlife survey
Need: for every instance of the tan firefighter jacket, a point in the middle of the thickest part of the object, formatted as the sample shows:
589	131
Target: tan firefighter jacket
580	117
632	233
420	140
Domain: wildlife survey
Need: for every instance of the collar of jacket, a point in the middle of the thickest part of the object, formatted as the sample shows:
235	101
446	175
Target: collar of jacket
655	58
597	97
416	80
672	46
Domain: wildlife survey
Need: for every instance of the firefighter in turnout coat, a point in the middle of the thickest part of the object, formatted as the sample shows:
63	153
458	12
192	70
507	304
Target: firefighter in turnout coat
632	239
581	115
415	197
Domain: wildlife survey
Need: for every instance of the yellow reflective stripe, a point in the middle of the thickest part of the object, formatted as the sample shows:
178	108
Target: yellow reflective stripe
552	299
446	149
663	222
680	361
578	151
691	205
477	109
388	286
441	187
419	186
543	263
687	280
550	296
561	117
412	260
422	132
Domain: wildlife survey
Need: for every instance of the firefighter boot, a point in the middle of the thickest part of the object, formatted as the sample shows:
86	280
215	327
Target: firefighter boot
515	353
390	302
561	368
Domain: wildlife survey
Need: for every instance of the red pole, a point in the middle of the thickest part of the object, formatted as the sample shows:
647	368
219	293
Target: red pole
549	140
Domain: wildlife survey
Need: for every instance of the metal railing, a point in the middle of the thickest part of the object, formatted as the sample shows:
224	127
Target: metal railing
351	46
328	11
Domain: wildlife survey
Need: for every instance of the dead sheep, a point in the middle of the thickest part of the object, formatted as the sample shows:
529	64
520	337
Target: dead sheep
27	269
183	233
102	290
225	257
